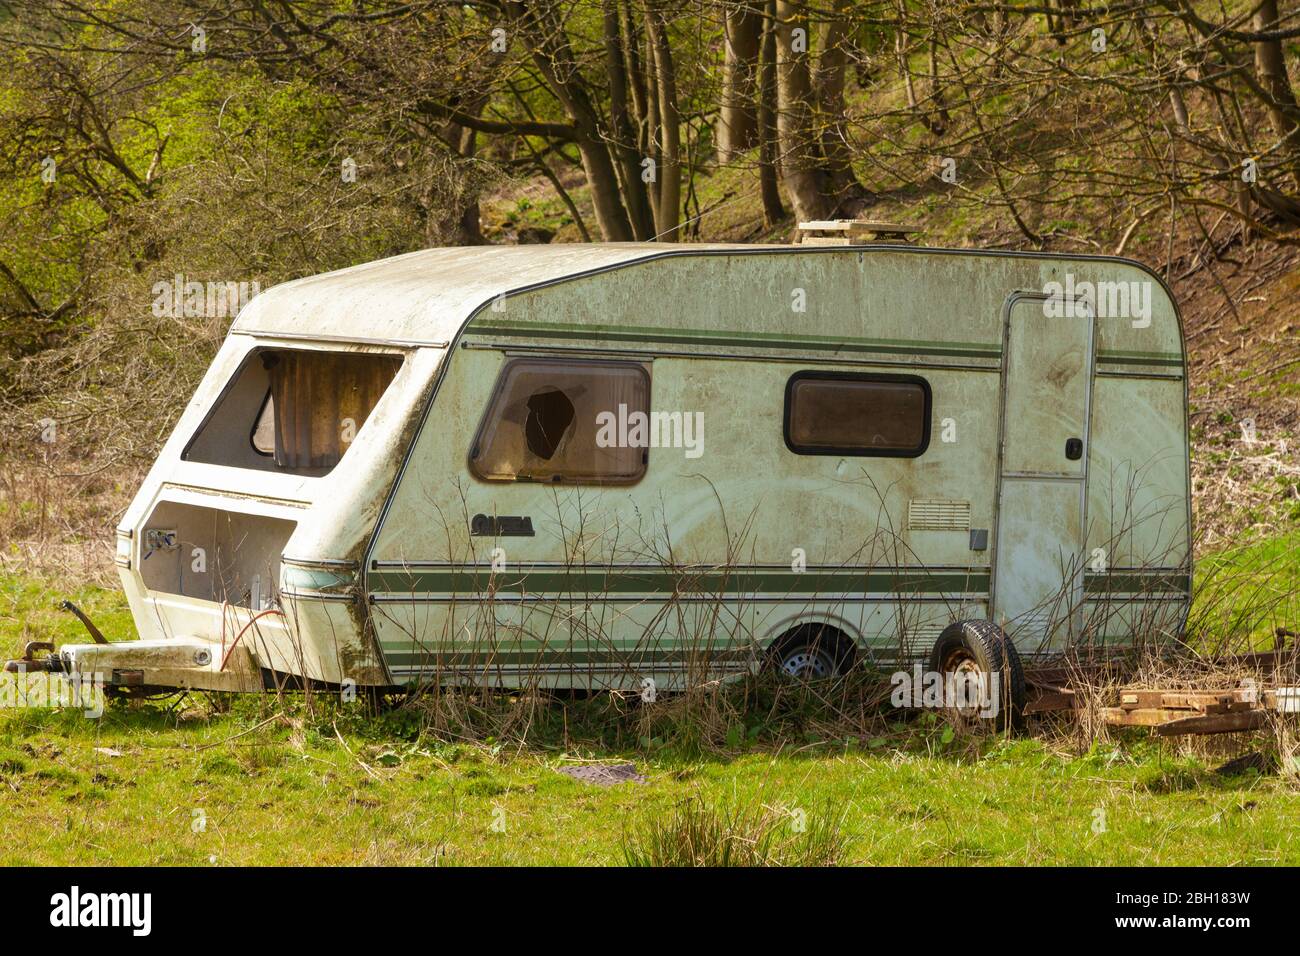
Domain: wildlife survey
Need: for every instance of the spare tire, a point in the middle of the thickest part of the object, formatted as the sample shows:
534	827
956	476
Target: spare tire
966	648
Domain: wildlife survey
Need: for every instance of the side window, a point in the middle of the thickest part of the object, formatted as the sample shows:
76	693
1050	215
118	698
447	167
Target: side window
847	413
544	423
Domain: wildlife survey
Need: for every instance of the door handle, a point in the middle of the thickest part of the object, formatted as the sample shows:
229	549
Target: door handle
1074	448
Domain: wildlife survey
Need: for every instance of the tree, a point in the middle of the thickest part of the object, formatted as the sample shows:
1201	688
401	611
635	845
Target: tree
813	144
737	128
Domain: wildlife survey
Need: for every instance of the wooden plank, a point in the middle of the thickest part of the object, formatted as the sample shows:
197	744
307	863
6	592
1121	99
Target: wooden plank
825	241
1172	723
856	226
1218	703
1141	717
1214	724
826	225
1052	700
1201	701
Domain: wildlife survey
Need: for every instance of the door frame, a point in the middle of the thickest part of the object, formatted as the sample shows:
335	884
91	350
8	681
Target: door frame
1008	306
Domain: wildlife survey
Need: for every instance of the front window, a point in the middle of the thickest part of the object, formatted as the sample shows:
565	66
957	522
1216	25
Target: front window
293	410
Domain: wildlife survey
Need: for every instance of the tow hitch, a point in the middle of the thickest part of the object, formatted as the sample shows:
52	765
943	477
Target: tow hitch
51	663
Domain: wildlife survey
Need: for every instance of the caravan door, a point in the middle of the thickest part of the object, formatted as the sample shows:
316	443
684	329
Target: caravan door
1047	373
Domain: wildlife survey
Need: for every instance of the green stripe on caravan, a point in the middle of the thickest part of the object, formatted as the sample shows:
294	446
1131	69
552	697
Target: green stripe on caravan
821	343
632	656
1163	359
650	581
1137	582
766	340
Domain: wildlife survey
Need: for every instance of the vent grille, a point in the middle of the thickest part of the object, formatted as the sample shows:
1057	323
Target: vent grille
938	514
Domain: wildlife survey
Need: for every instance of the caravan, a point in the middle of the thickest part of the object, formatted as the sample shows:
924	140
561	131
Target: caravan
588	466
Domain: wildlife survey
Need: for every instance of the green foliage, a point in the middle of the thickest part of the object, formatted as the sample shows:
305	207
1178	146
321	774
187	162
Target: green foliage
700	834
1242	594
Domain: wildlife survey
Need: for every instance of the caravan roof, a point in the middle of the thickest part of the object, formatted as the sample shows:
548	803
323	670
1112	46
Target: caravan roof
426	296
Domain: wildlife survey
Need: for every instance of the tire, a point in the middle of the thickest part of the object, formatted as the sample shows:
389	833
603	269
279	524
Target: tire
812	652
965	647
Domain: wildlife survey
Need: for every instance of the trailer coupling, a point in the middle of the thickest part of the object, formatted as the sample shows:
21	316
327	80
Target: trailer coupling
51	663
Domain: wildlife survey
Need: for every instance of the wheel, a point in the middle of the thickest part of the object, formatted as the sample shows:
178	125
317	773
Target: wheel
982	666
812	652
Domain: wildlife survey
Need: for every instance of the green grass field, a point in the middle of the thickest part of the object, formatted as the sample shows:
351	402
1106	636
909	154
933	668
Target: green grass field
264	781
1243	594
143	787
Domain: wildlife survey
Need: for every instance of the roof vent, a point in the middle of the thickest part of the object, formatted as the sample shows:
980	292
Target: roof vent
852	232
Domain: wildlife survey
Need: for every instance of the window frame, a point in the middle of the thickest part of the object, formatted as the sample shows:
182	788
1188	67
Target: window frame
876	377
475	443
255	353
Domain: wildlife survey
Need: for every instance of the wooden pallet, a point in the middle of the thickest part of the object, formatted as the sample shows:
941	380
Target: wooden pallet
849	232
1175	712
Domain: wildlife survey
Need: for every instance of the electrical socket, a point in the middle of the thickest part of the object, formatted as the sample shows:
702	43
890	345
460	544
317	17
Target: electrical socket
161	539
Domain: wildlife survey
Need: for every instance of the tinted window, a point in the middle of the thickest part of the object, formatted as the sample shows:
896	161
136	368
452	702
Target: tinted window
842	413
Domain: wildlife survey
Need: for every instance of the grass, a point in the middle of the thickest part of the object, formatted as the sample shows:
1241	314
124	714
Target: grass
1243	593
696	833
29	611
262	781
183	792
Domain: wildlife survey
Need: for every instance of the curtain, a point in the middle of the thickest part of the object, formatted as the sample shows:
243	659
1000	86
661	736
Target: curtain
321	401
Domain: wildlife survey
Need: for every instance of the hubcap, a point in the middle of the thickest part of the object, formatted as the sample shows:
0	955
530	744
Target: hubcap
807	663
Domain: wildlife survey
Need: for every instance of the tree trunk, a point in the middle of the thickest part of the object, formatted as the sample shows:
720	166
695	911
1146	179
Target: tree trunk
801	170
548	44
624	136
603	182
936	89
901	43
469	232
454	223
635	76
900	52
737	128
773	211
669	171
1270	69
848	195
652	134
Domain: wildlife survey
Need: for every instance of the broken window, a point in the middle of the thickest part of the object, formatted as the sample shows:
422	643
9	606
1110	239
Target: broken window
544	423
293	410
846	413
